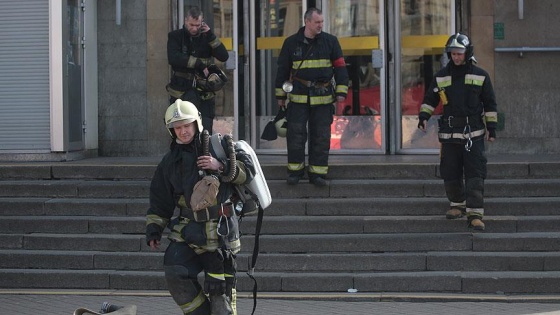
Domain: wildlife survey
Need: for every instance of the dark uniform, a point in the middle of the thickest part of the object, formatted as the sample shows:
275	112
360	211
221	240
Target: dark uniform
469	108
312	97
189	55
207	242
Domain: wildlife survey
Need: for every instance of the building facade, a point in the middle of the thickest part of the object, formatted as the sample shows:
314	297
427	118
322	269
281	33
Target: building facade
87	78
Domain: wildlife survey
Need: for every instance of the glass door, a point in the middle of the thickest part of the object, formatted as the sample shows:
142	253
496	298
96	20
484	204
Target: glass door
275	20
421	30
74	74
358	124
392	49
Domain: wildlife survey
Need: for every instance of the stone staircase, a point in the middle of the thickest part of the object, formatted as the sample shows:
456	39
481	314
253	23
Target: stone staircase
377	227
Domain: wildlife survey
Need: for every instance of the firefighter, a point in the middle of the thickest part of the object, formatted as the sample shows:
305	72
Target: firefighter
190	51
204	239
307	64
469	116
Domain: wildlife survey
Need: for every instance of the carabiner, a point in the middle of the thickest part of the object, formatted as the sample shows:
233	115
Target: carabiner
220	224
467	132
468	145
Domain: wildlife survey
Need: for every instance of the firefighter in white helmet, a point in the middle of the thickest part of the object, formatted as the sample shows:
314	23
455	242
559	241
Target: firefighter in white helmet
204	239
469	116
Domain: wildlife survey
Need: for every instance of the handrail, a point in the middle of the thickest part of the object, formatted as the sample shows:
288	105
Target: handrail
527	49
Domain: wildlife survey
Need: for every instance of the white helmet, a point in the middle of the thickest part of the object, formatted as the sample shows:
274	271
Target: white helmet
183	111
281	123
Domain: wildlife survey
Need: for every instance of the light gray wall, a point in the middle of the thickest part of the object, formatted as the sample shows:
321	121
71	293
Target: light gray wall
130	115
528	87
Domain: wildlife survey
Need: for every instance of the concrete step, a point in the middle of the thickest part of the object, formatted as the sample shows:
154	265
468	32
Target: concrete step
314	262
80	260
314	243
501	282
384	206
374	206
30	206
414	261
305	225
100	171
367	188
367	169
283	225
75	188
279	189
407	242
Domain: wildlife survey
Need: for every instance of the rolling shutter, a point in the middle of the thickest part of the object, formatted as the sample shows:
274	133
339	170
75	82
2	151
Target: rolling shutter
24	76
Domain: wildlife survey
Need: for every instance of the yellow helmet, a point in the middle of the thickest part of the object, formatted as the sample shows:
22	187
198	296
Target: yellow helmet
183	111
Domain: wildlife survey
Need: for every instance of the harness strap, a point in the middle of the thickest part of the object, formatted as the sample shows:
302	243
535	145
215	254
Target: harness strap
219	150
255	255
316	84
210	213
461	121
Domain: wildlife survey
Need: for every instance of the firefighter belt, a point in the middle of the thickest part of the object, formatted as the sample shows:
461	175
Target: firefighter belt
315	84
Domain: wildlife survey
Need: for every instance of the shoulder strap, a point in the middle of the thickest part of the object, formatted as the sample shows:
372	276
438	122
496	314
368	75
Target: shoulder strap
253	262
302	60
217	146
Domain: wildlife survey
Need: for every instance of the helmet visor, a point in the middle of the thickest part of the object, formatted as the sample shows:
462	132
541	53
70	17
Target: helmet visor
457	50
179	123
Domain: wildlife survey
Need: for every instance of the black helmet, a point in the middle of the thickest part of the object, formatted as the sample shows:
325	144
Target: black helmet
214	81
462	42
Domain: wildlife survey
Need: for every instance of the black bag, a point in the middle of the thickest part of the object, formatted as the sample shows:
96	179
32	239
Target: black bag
270	133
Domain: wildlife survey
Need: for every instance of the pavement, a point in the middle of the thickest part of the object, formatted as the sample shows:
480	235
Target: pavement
64	302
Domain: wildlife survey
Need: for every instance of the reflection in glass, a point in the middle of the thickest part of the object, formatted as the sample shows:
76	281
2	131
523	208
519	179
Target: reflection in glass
357	124
421	21
278	19
222	16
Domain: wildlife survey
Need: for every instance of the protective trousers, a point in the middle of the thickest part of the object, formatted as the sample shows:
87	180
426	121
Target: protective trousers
318	118
220	271
457	162
182	266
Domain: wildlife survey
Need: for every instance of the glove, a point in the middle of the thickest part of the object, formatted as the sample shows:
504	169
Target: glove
421	120
198	64
210	35
491	132
153	232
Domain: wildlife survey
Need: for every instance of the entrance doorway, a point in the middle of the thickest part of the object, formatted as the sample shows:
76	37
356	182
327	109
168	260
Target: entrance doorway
392	50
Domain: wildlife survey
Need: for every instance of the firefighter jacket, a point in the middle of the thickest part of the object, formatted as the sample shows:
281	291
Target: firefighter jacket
172	186
315	62
188	55
468	100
